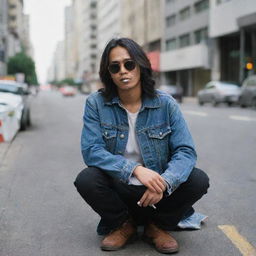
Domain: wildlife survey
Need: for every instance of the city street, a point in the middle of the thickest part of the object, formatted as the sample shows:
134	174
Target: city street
41	213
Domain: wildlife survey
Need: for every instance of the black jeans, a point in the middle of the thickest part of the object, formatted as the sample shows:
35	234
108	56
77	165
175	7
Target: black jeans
116	201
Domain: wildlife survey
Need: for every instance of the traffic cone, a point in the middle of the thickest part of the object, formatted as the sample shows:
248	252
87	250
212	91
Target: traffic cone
1	135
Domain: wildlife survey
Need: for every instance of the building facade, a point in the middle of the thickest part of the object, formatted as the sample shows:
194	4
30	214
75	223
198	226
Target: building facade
141	21
234	35
15	26
14	32
25	36
109	26
70	43
185	56
89	41
188	42
3	35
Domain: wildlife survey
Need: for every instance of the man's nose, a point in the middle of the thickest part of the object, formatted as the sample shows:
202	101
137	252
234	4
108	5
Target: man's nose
123	69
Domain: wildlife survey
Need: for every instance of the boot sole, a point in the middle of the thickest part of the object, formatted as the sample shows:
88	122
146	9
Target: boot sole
165	251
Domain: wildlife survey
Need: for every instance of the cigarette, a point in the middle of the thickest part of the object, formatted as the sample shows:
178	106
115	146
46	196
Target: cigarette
152	205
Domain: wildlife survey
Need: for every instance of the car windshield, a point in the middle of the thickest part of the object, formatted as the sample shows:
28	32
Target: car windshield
6	87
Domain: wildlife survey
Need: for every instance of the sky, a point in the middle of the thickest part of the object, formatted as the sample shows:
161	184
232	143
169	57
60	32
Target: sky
46	29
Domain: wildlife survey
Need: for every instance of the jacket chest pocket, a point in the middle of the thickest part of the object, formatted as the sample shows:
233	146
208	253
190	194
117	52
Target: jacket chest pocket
109	136
158	139
159	133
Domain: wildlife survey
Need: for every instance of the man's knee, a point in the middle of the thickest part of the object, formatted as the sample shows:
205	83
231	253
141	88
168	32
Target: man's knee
199	181
86	180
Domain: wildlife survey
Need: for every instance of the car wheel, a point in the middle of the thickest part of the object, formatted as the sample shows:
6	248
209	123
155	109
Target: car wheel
200	102
241	104
254	103
23	122
28	118
214	102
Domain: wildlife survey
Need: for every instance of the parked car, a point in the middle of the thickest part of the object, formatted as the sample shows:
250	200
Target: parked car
248	92
21	90
217	92
11	106
173	90
68	91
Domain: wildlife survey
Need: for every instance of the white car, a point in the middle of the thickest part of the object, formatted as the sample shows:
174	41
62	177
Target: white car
19	90
11	107
248	92
217	92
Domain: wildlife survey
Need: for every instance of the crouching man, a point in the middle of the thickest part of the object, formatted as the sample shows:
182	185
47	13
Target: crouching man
139	152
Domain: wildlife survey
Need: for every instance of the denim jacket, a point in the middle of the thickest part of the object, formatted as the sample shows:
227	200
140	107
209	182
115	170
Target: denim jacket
165	142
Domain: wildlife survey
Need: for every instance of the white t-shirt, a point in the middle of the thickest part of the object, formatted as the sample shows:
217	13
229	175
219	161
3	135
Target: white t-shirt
132	150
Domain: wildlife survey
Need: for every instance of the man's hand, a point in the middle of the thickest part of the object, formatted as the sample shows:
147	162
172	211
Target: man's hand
150	198
151	179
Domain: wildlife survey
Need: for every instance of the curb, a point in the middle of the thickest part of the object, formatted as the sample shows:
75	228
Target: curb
4	146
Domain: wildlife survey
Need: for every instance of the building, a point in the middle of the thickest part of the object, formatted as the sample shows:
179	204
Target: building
233	30
109	26
133	20
80	42
15	26
141	21
185	57
3	35
60	61
70	42
25	36
56	71
14	32
89	44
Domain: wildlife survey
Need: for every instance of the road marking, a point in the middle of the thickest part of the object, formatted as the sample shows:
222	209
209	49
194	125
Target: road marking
195	113
238	240
242	118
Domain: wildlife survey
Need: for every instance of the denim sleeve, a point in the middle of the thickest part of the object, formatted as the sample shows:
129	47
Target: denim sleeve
184	156
94	149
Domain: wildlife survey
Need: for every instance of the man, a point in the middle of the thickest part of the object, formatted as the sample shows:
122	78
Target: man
139	152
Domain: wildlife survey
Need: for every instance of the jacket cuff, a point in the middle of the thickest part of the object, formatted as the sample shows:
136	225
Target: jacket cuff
171	184
127	170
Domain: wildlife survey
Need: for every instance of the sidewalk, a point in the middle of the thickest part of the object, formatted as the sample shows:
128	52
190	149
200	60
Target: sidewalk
4	146
190	99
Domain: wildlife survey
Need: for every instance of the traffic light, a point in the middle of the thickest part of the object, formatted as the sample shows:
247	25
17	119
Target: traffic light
249	65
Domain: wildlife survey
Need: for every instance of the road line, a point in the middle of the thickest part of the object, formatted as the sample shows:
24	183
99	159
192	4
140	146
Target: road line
238	240
196	113
242	118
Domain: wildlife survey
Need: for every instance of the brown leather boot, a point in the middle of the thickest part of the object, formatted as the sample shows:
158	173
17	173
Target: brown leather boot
118	238
163	241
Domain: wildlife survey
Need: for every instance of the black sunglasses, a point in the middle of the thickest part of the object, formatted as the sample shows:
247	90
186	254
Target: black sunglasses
114	68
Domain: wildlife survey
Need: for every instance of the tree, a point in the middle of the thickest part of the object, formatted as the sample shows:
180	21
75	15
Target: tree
21	63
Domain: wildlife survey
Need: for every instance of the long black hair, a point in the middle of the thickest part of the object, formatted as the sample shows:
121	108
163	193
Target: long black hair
138	55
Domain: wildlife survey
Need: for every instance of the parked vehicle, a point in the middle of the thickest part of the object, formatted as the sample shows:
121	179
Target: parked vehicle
173	90
248	92
68	91
217	92
11	106
21	90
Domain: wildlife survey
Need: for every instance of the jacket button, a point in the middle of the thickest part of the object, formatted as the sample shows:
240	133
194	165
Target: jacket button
160	133
121	136
106	133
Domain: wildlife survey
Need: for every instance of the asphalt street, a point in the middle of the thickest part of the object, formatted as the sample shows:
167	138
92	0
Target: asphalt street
41	214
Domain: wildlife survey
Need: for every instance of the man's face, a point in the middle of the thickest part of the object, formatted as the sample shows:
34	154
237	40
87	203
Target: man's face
124	79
